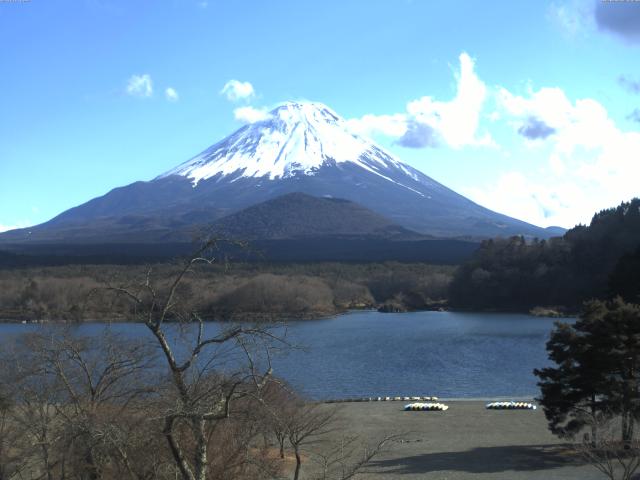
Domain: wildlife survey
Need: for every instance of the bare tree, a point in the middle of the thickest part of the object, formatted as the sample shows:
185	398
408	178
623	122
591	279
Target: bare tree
615	458
30	421
277	402
347	459
12	462
77	401
208	372
289	418
305	424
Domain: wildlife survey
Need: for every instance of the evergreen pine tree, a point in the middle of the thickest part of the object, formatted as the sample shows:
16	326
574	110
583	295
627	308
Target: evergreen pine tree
596	373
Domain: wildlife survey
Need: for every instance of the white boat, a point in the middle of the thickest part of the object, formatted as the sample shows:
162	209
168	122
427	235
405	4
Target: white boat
426	407
510	406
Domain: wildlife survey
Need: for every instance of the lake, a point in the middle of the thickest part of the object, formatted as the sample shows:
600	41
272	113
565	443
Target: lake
363	354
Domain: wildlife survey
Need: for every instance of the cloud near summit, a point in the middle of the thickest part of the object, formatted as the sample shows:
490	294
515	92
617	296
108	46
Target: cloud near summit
585	160
250	114
428	122
6	228
236	90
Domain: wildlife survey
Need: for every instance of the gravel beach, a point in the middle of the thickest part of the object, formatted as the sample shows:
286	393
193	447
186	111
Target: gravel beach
465	442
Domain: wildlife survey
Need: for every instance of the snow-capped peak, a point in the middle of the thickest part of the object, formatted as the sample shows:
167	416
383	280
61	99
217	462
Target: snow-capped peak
296	138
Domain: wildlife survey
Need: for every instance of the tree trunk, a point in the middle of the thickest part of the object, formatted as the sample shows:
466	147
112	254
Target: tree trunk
44	448
47	463
298	464
630	425
594	422
280	438
92	469
176	451
201	449
627	428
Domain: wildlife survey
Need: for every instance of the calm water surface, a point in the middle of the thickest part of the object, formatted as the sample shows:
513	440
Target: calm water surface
424	353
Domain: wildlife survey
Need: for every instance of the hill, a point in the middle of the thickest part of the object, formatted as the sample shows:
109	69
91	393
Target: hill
298	215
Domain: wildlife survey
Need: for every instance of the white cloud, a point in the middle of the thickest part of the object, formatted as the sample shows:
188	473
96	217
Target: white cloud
455	122
6	228
140	86
587	162
543	203
171	94
251	114
390	125
236	90
592	164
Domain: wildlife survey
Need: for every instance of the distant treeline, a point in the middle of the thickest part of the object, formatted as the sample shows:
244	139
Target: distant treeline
236	291
352	249
601	260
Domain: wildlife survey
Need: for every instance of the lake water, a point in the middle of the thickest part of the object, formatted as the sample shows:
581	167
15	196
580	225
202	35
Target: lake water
362	354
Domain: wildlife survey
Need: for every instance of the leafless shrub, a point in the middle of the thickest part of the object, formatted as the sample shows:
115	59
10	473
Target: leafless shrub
347	458
614	458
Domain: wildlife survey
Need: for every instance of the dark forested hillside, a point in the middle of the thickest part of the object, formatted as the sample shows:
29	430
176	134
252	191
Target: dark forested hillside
587	262
297	215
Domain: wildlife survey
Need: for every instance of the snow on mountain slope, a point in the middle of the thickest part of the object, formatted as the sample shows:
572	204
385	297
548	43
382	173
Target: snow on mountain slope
301	147
297	138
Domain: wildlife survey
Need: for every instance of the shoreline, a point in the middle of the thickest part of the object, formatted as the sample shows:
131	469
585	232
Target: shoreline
415	398
273	318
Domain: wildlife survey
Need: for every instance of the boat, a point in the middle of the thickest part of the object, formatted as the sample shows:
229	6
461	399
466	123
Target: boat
426	407
510	406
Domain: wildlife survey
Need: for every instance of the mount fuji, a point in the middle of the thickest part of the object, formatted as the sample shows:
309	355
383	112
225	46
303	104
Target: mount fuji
300	147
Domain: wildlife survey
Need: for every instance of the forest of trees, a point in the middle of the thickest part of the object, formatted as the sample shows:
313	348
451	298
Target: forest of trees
236	291
595	261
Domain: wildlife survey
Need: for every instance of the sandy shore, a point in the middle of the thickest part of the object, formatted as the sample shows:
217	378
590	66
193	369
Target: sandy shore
465	442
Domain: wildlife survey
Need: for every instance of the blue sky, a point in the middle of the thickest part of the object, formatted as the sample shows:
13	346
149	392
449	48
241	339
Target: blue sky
533	110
